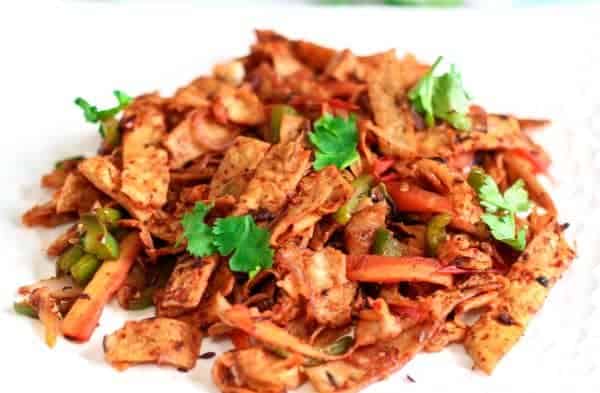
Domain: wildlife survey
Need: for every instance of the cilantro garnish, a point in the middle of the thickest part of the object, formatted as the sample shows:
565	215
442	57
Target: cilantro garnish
238	236
198	234
108	124
248	243
501	209
93	115
336	139
442	97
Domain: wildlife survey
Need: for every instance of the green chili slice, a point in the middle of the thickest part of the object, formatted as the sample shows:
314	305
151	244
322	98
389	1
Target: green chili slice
340	346
435	233
361	185
277	113
386	244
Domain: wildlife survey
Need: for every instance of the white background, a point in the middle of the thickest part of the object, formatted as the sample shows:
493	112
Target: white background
539	62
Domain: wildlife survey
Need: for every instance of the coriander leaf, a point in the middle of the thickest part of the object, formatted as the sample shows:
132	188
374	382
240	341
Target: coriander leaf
248	243
90	112
502	227
501	209
449	95
323	160
123	100
253	273
422	94
336	140
254	253
516	197
459	121
519	242
198	234
230	232
93	115
442	97
487	190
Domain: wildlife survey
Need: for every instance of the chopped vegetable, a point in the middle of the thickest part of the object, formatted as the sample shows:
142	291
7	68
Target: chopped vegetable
93	115
383	269
69	258
336	140
84	269
361	186
60	164
442	97
435	233
109	129
23	308
340	346
238	236
501	209
143	301
47	308
386	244
97	239
539	160
248	243
108	215
83	316
239	316
198	234
277	113
109	126
411	198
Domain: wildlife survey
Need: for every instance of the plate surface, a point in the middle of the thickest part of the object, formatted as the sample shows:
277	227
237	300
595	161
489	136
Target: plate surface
539	62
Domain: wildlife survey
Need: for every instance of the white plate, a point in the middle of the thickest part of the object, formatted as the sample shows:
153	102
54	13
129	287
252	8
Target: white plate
537	63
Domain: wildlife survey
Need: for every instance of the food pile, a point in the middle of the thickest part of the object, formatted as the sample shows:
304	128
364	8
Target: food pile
331	214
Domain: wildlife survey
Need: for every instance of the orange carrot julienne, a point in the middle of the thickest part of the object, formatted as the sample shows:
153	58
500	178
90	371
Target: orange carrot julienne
412	198
384	269
81	320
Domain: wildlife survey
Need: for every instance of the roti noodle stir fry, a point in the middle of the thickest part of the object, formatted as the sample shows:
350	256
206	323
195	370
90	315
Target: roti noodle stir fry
331	214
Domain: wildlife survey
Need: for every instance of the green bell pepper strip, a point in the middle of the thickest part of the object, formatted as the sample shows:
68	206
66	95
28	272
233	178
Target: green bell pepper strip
25	309
273	133
340	346
108	215
84	269
60	164
97	239
145	300
109	129
361	185
386	244
435	232
68	259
